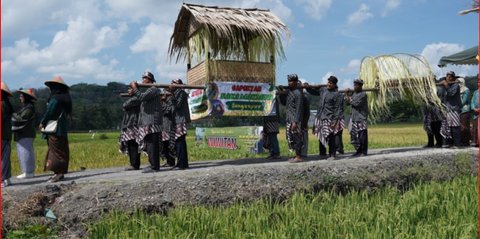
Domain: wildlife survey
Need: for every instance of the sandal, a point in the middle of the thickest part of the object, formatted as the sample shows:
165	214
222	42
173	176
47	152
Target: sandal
295	160
56	178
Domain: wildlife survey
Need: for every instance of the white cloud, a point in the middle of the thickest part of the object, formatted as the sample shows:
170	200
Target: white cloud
154	41
280	10
158	11
352	67
390	6
434	51
79	40
149	9
71	52
361	15
20	17
325	77
82	38
86	66
316	9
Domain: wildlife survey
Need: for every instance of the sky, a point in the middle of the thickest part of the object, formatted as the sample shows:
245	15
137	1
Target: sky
100	41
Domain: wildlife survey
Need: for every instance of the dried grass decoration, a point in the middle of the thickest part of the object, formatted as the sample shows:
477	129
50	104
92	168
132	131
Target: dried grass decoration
396	77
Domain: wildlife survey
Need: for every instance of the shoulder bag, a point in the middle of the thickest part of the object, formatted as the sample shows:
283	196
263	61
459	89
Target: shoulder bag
51	126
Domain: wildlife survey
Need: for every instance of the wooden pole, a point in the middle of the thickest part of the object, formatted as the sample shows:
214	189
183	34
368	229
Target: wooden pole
366	89
305	87
340	91
161	95
171	86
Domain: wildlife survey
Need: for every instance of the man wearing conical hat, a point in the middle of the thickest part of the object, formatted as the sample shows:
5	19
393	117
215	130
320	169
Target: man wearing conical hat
24	132
7	111
59	108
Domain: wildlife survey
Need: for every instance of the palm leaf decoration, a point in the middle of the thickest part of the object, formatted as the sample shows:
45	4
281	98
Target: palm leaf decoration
397	76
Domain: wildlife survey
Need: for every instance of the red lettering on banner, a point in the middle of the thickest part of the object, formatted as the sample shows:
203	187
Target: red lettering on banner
222	142
250	88
196	93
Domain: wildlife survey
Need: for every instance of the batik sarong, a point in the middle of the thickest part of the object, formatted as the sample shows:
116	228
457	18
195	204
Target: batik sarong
294	137
452	119
355	128
127	135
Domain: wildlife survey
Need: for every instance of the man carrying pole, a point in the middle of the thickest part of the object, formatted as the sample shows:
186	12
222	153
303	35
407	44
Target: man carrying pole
294	115
129	134
149	121
168	132
328	120
181	119
358	120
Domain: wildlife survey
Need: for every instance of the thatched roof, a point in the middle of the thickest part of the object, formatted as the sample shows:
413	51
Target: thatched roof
230	32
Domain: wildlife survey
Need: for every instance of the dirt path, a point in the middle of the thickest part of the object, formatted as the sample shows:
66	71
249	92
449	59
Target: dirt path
86	195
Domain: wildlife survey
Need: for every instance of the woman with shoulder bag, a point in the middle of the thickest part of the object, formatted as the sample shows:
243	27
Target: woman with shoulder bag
59	107
24	133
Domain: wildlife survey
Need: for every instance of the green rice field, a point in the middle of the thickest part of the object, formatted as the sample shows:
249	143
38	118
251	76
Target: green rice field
429	210
102	151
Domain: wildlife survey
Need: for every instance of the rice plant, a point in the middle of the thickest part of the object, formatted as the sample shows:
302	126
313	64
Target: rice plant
427	210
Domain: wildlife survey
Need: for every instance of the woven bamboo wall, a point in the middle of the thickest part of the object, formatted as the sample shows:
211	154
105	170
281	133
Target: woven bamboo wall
239	71
236	71
197	75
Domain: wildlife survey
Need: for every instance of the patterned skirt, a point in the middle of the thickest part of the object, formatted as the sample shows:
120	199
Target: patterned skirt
355	128
452	120
125	136
294	137
144	131
173	134
323	128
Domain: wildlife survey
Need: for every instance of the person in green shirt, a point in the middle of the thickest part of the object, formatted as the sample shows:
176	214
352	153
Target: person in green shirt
25	134
59	107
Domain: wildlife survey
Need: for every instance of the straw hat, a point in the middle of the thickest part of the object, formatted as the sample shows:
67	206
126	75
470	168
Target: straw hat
56	80
30	92
5	89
